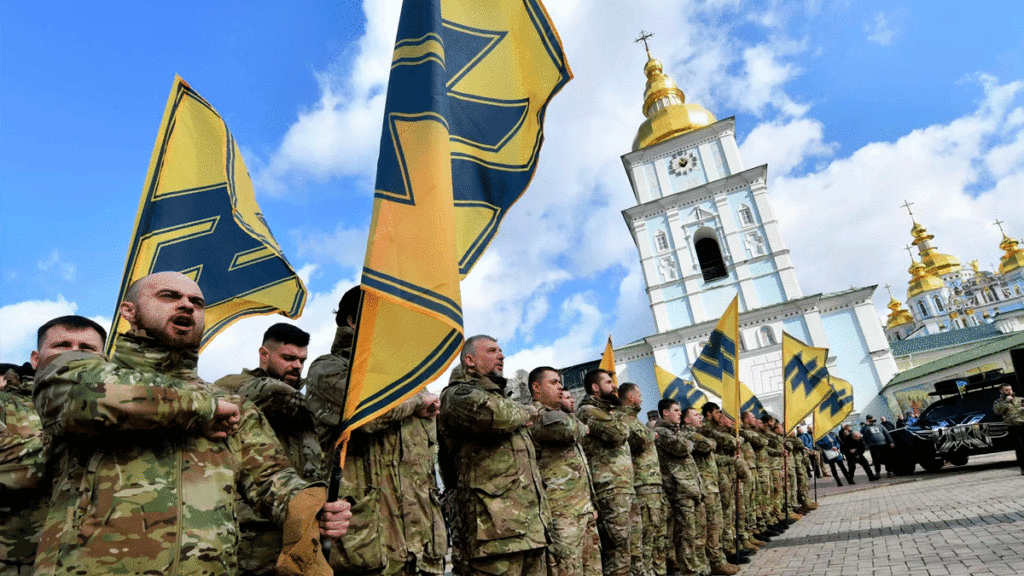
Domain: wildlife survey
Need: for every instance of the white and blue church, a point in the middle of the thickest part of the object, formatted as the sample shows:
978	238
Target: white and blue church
705	230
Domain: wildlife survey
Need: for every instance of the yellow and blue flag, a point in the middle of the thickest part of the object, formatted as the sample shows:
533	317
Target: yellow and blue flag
608	361
470	83
198	216
715	368
682	391
749	402
834	408
805	380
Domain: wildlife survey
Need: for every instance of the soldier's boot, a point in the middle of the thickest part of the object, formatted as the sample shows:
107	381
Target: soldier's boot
750	546
793	517
725	569
737	559
811	505
757	541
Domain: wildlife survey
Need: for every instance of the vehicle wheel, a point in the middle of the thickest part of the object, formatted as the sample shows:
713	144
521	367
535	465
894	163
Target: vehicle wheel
932	465
957	459
903	467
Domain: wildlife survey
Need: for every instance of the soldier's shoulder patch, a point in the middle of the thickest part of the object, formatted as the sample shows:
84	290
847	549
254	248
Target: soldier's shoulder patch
463	390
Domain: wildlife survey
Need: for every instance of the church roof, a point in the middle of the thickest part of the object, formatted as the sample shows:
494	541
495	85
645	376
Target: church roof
666	109
997	345
944	339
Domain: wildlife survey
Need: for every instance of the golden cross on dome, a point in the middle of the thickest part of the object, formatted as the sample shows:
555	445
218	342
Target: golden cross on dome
889	290
907	205
643	38
908	249
999	223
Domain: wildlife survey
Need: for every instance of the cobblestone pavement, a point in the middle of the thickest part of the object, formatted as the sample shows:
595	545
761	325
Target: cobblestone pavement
966	520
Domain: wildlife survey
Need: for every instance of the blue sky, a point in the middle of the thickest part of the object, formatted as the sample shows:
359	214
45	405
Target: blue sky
854	106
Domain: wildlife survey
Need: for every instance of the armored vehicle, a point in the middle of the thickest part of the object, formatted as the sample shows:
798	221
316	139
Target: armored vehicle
959	424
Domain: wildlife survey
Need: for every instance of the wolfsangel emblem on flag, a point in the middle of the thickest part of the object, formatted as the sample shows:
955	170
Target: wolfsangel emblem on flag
198	216
715	368
805	379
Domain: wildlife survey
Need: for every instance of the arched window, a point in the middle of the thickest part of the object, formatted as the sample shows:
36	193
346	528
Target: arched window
767	336
923	309
938	304
746	216
661	241
709	255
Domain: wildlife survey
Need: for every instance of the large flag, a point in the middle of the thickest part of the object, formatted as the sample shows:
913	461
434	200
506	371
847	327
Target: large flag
608	361
749	402
198	216
834	408
715	368
805	380
470	83
674	387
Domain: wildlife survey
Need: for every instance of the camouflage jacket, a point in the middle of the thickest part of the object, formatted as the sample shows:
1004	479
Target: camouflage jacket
288	413
488	456
725	442
24	489
1011	409
326	387
646	469
759	442
704	454
139	489
774	449
563	466
679	474
606	447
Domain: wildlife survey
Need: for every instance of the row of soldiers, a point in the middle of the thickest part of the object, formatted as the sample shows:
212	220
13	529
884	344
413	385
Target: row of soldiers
133	464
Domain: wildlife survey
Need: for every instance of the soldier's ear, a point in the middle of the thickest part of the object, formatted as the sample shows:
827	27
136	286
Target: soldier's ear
128	310
34	359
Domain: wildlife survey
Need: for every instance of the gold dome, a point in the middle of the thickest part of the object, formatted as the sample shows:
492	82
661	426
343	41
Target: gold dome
937	263
922	280
1014	257
898	315
666	110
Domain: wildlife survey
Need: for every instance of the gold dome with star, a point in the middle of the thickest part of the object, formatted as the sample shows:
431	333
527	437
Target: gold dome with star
936	262
666	109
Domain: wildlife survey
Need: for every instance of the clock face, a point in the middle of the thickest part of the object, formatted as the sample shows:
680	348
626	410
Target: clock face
682	163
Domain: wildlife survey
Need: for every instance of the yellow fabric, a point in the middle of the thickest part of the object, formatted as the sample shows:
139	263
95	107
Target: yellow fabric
834	409
674	387
470	81
198	216
805	379
715	368
608	361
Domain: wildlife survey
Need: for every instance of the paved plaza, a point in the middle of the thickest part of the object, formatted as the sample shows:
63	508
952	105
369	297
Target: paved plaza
965	520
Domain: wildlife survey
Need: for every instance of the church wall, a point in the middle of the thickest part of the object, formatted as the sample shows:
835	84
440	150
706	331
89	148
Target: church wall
679	313
797	328
847	344
641	372
769	290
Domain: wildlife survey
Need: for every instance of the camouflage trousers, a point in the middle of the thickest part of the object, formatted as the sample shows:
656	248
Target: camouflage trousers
792	486
258	550
713	538
748	512
727	485
575	548
525	563
614	511
803	494
687	521
778	490
762	495
648	532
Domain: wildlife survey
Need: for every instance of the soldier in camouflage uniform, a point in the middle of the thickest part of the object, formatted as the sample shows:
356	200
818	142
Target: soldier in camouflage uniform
397	526
159	454
728	461
704	454
575	548
24	481
648	528
611	468
681	481
487	455
274	389
791	463
756	444
777	482
801	463
1011	408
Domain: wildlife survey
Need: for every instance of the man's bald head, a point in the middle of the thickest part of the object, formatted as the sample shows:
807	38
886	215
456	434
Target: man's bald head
168	307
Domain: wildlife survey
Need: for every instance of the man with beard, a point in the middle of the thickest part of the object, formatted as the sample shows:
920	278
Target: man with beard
397	526
160	455
575	549
489	459
274	389
611	467
24	481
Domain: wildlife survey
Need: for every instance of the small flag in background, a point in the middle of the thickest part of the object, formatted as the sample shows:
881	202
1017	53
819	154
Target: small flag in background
608	362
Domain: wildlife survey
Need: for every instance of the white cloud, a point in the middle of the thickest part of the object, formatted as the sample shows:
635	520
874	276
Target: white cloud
54	263
785	146
21	321
879	31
